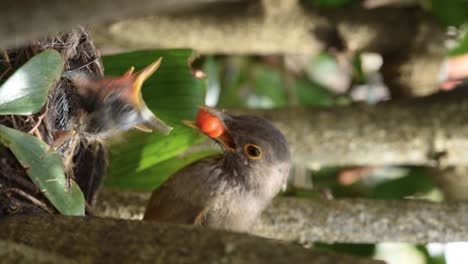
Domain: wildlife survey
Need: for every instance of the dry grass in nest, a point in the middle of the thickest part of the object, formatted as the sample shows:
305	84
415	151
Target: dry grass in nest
86	158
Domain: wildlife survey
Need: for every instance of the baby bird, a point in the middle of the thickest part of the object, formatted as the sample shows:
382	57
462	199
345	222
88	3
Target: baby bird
227	191
116	104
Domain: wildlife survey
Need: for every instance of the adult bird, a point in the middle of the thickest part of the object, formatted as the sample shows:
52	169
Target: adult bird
227	191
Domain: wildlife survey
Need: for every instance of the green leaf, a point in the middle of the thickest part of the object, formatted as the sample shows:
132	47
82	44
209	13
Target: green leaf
430	259
45	168
149	179
173	94
267	83
311	94
415	182
235	79
453	12
358	76
462	46
364	250
25	92
329	3
250	83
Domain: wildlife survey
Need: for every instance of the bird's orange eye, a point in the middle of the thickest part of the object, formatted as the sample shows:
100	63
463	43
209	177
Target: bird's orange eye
253	151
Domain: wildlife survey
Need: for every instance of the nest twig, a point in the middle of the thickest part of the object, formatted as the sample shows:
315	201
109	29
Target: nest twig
88	157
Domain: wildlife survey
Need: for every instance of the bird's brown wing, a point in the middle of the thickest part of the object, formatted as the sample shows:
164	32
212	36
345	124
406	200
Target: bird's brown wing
185	198
163	206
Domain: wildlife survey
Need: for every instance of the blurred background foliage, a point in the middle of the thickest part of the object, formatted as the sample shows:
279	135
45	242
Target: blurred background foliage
143	161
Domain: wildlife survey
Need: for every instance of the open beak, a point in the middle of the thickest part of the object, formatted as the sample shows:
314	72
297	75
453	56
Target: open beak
149	121
152	122
133	92
224	137
128	73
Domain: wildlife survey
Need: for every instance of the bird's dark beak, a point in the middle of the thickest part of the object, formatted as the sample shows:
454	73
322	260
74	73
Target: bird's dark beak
225	137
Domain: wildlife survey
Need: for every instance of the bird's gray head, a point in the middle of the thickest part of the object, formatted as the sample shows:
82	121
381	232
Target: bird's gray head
253	148
254	141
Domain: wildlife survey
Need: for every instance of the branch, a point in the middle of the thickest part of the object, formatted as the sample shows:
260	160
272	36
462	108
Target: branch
349	221
23	21
91	239
241	30
11	252
365	221
426	131
289	27
244	26
278	27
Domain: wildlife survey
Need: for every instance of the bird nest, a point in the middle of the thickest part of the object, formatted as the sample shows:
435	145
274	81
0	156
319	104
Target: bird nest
86	158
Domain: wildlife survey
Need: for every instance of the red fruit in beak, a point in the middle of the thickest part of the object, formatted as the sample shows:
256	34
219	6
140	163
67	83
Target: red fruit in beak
212	127
201	117
209	124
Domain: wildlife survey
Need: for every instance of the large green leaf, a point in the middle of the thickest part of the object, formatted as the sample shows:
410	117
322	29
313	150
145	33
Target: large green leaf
25	92
453	12
149	179
44	167
173	94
